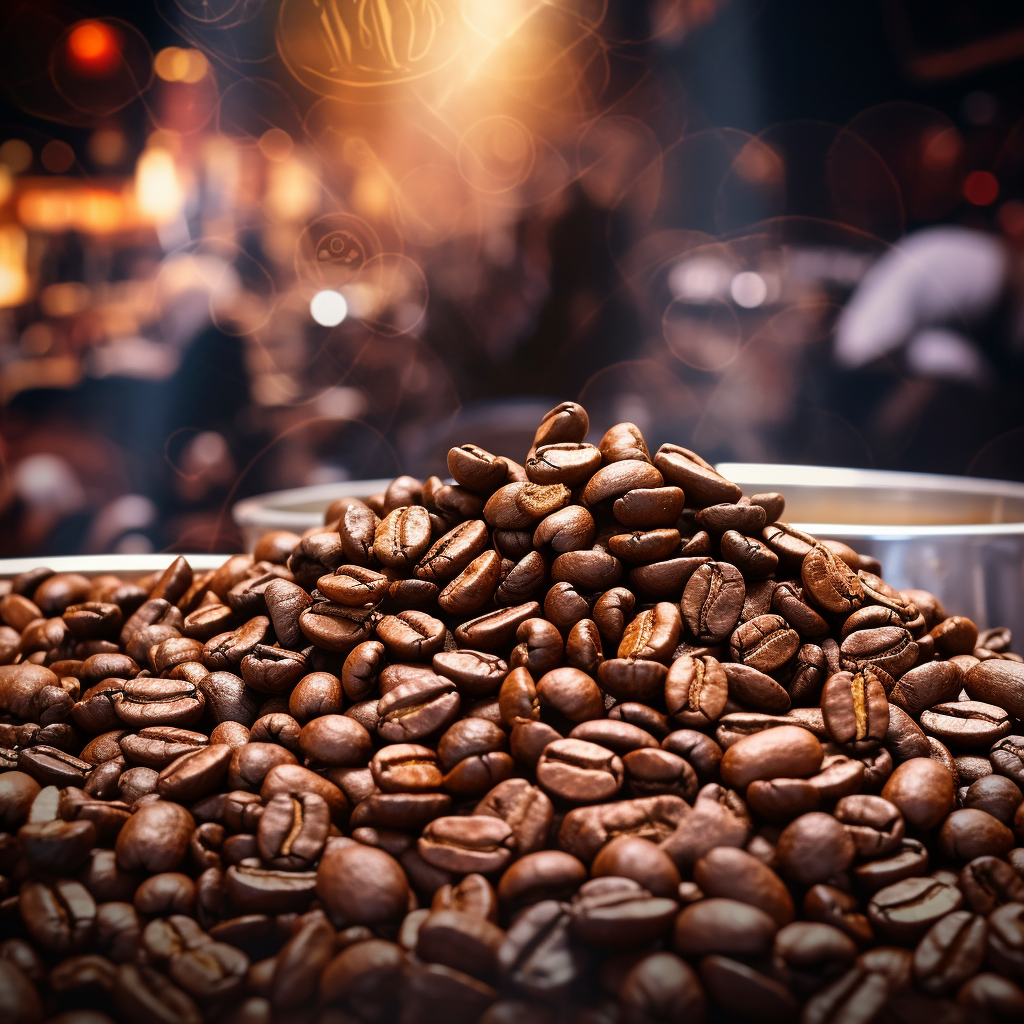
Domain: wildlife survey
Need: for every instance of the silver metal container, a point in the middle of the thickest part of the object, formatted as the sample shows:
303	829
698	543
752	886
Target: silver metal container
959	537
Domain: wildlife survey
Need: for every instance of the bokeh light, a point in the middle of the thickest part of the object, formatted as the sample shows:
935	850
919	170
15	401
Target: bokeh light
16	155
981	188
328	308
94	48
57	157
175	64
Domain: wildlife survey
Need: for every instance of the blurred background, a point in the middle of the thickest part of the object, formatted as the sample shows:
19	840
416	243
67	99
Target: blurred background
248	245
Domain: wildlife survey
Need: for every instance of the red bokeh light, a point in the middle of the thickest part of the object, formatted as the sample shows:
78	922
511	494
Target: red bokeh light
94	48
981	188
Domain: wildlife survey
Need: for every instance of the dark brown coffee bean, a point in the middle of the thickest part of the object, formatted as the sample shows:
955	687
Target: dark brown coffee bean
966	724
354	585
809	955
568	529
666	580
991	997
754	689
923	791
830	582
740	989
402	537
571	693
644	545
649	507
855	709
875	825
60	917
988	882
904	911
653	634
194	774
585	830
565	462
579	772
537	956
785	751
651	771
696	690
765	643
969	833
995	794
477	469
698	479
618	912
495	630
524	808
889	648
935	682
661	987
155	837
623	441
734	873
712	601
815	848
723	926
476	843
417	708
361	885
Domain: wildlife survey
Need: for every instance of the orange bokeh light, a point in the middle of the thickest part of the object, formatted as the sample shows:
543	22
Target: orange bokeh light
94	47
981	188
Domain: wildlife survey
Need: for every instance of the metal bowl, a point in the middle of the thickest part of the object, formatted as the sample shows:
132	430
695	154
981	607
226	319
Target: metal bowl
959	537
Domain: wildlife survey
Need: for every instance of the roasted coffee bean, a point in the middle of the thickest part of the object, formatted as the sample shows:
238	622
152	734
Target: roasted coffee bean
765	643
888	647
477	843
571	693
579	772
905	910
855	709
809	955
967	724
995	794
922	790
712	601
696	690
785	751
815	848
619	912
830	582
754	689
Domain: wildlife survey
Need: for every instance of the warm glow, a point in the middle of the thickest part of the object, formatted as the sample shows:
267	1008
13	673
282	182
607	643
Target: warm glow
158	192
174	64
13	276
93	48
76	208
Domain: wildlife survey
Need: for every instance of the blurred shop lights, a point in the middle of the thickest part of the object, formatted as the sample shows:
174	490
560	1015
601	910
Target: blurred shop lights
13	275
158	192
93	48
328	308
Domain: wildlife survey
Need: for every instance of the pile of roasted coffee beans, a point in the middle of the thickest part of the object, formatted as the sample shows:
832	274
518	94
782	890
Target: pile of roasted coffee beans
594	739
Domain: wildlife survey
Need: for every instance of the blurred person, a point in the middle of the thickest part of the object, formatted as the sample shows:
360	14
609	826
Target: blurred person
932	345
